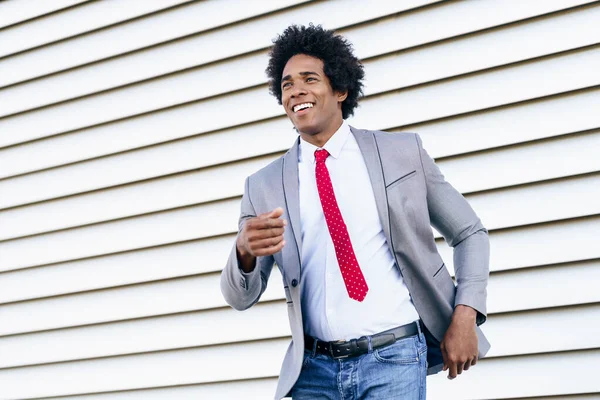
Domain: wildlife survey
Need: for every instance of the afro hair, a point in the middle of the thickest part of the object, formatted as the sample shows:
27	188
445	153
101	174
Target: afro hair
344	70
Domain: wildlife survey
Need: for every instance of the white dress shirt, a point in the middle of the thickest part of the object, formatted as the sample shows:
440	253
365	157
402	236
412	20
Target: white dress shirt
329	313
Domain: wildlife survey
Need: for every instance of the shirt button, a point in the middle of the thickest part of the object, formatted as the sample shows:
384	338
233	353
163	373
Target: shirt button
294	282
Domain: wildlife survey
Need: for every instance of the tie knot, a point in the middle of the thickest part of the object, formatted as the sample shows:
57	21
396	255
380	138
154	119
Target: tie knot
321	155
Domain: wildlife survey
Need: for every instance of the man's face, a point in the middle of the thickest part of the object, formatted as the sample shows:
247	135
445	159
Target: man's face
307	96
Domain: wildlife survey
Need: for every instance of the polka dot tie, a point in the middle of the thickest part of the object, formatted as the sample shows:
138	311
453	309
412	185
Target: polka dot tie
353	277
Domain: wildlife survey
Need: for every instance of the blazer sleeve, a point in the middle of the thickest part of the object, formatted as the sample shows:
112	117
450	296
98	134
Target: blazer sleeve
242	290
453	217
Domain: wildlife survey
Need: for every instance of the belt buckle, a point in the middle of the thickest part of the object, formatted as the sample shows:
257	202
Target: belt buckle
331	350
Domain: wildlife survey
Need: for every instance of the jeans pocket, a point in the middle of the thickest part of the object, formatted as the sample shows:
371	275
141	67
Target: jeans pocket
403	351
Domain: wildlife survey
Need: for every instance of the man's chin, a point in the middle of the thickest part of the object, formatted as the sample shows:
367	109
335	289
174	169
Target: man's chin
306	129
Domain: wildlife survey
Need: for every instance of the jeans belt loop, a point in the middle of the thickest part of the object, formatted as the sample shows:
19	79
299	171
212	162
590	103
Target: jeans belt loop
420	334
331	350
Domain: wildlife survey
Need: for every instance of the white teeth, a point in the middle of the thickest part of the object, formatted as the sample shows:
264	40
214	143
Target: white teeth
302	106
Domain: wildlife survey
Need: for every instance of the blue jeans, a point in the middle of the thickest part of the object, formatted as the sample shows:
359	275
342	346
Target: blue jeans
397	371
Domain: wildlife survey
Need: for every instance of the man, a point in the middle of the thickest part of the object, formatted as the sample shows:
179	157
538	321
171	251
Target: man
346	215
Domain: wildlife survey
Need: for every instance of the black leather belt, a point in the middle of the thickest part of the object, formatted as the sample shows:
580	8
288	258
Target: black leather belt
356	347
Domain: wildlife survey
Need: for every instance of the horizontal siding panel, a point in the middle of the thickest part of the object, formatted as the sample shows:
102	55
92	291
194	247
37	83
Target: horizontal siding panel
535	375
139	34
262	321
136	199
250	389
587	396
572	197
500	14
254	389
503	126
190	153
559	32
13	12
245	37
248	71
505	167
243	71
203	292
151	230
511	44
490	89
557	157
563	373
447	21
484	90
510	334
219	218
180	367
480	91
157	263
514	164
534	288
514	124
88	17
542	244
521	205
151	299
512	249
537	331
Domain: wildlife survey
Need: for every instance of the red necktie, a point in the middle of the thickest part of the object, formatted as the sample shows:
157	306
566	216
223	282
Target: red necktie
353	277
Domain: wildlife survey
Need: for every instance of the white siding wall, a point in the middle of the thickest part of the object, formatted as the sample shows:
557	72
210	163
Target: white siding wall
128	127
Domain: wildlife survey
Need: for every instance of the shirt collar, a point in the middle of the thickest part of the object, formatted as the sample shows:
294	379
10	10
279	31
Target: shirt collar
334	145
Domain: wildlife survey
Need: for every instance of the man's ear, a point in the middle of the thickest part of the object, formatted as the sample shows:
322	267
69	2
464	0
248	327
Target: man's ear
342	96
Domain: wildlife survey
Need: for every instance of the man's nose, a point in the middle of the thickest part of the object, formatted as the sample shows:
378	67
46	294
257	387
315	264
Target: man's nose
298	90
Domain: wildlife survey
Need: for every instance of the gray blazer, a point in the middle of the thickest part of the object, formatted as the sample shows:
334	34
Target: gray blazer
411	196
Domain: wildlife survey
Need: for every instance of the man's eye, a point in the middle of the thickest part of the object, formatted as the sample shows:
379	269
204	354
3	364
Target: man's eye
310	79
286	85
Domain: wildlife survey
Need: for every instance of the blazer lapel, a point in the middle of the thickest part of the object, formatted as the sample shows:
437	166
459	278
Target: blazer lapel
291	192
368	147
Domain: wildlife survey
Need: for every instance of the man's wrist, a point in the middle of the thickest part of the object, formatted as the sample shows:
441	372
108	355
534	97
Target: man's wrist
246	261
240	250
465	314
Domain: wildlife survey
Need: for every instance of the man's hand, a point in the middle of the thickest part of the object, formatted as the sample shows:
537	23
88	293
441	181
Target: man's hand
260	236
459	347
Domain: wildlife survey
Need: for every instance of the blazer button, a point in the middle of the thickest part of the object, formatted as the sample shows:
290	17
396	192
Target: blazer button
294	282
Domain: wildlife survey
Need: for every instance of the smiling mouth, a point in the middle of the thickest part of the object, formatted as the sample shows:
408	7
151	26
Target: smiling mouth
303	106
